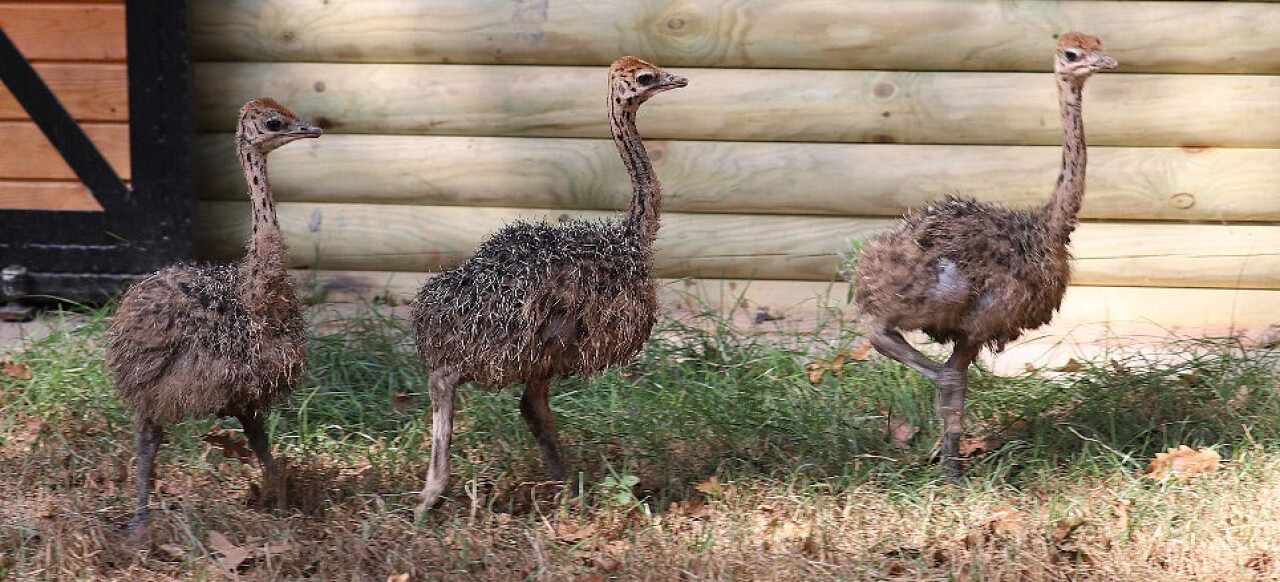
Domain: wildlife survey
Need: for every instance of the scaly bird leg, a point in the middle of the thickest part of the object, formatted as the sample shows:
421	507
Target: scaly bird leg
889	342
272	480
952	386
146	437
443	384
536	410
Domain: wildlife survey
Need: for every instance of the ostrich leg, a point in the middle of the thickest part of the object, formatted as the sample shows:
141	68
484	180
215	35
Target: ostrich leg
952	384
536	410
146	436
889	341
444	384
272	480
253	429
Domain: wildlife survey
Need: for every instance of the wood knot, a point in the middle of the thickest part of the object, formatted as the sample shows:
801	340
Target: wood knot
1182	200
675	23
679	24
885	90
287	36
319	86
324	123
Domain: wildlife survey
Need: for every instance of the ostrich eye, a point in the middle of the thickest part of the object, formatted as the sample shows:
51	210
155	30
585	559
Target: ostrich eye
646	78
1072	55
274	124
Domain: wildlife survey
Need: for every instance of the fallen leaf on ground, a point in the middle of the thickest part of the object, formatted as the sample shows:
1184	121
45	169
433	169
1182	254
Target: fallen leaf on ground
16	370
712	486
1005	521
819	367
572	532
398	578
1184	462
860	351
232	445
901	431
1071	366
231	556
1065	527
970	446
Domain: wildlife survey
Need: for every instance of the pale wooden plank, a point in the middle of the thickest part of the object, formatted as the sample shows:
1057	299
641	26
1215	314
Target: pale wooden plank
18	195
88	91
424	238
1154	311
66	32
26	154
753	105
1225	37
749	177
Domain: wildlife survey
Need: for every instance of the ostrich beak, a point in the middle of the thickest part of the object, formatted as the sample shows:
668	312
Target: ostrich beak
305	130
674	81
1105	61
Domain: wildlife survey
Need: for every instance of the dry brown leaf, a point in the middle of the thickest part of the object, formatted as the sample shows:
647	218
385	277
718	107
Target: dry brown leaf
232	445
970	446
219	542
16	370
819	367
1184	462
1263	563
275	549
1065	527
1071	366
1006	521
712	487
572	532
901	431
398	578
174	551
860	351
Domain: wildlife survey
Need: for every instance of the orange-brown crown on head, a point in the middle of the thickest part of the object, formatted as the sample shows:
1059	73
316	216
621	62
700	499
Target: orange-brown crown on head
629	64
267	103
1080	40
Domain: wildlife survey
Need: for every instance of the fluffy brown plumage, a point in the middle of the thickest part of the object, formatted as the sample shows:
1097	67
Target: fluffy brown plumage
978	274
214	340
540	301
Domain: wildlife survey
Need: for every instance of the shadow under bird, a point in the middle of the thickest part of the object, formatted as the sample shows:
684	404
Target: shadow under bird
215	340
977	274
541	301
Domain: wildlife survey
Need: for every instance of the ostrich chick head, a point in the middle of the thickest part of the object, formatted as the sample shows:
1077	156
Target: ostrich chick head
634	81
1080	55
265	125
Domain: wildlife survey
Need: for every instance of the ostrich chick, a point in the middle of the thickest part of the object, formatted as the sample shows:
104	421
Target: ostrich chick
541	301
978	274
214	340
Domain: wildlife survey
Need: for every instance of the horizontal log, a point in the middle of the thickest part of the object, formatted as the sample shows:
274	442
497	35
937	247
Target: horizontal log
752	105
426	238
1219	37
1162	310
88	91
28	155
66	32
749	177
16	195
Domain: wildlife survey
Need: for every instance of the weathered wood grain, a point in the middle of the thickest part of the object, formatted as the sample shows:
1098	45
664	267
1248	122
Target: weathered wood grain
89	91
750	177
29	155
426	238
18	195
816	34
66	32
753	105
1163	309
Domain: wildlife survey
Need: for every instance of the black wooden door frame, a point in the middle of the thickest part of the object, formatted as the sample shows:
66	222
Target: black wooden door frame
90	255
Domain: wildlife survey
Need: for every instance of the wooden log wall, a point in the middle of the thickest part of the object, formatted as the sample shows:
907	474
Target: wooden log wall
78	48
806	124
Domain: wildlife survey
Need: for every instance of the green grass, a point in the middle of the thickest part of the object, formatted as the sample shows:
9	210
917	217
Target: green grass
704	399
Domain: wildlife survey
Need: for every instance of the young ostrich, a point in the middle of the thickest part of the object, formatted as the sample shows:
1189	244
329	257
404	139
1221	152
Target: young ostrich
541	301
223	340
979	274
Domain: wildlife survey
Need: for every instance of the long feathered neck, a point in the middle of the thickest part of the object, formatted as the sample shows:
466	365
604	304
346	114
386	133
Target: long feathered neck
646	196
264	275
1069	194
